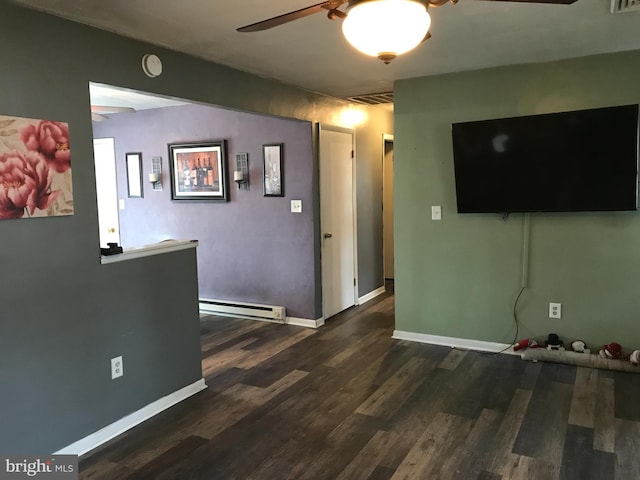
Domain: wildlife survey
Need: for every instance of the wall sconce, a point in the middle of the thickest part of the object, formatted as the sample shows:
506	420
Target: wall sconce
241	173
238	177
155	177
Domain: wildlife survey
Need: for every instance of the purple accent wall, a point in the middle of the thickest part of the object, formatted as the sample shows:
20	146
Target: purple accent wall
252	248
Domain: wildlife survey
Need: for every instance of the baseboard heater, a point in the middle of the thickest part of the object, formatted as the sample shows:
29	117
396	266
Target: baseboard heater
243	310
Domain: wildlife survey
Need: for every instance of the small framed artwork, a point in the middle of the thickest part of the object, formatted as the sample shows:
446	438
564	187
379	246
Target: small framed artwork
198	171
273	170
134	175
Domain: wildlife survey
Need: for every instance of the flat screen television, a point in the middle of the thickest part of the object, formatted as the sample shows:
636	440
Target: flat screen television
584	160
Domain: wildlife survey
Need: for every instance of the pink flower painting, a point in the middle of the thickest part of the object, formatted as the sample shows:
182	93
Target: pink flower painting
35	168
25	184
51	139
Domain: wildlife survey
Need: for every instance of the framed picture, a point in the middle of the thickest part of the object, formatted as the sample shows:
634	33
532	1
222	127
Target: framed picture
134	174
273	170
198	171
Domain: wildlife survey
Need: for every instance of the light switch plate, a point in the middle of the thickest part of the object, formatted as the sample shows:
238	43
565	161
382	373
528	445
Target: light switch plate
296	206
436	213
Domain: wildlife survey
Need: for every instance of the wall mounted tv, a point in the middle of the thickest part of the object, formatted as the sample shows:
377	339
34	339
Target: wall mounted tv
584	160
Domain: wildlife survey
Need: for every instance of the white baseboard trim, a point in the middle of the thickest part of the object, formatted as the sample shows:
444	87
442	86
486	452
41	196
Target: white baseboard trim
305	322
371	295
109	432
453	342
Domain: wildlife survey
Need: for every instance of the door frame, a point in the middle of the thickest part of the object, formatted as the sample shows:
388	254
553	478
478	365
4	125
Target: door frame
320	128
386	138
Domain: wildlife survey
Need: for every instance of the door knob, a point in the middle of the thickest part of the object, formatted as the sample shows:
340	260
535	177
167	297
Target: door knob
328	235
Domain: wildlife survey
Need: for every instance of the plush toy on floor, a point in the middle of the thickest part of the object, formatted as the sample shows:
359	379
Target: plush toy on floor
554	342
525	343
611	351
580	347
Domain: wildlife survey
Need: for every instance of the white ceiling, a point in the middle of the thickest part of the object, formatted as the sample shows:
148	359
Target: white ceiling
107	96
312	53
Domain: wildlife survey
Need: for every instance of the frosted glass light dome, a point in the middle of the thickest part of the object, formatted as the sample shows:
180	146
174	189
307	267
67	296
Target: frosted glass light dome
386	28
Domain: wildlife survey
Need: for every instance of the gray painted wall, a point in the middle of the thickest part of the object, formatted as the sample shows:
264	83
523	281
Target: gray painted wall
252	248
460	276
63	314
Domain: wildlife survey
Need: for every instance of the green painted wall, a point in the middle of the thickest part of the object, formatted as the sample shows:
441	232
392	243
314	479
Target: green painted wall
460	276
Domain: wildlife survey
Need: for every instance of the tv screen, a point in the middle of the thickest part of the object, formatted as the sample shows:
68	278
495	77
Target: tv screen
584	160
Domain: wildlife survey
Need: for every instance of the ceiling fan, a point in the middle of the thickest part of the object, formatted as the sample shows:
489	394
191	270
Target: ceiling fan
98	112
380	28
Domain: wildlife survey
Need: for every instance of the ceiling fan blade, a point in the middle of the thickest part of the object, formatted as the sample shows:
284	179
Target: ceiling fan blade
555	2
289	17
426	37
96	117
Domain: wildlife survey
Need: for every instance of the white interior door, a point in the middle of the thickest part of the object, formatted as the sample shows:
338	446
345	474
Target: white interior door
337	221
104	155
387	206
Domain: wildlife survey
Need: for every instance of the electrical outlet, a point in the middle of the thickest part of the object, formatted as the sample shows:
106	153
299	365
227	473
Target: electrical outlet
117	367
555	310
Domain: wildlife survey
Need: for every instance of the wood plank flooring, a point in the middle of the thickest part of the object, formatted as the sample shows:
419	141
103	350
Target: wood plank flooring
348	402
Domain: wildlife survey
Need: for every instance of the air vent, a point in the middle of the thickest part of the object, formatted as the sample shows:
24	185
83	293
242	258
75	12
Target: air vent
623	6
379	98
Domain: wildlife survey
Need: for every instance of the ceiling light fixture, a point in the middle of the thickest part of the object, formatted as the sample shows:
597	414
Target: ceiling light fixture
386	28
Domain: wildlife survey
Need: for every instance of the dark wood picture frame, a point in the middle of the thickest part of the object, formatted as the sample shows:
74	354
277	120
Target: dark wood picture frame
199	171
273	170
134	174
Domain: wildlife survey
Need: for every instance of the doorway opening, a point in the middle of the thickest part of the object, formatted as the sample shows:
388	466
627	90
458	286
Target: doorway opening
387	210
104	154
253	248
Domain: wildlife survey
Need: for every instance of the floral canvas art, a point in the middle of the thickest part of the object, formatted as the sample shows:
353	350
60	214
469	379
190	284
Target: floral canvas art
35	168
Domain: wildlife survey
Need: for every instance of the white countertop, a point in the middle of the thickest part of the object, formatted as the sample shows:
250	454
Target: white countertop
149	250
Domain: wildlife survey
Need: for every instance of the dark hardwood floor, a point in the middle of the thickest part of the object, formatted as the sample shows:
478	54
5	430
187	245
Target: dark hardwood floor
348	402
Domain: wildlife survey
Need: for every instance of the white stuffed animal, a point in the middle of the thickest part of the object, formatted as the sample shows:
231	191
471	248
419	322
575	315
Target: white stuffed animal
580	347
